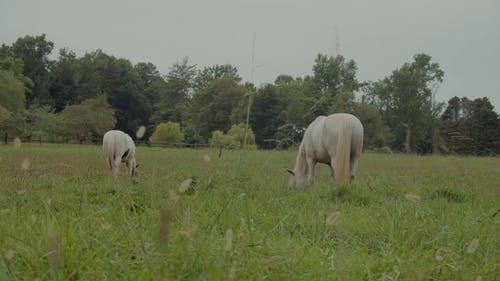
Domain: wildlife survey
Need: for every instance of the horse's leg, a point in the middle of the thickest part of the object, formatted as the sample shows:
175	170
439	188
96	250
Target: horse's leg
116	168
332	169
354	165
310	171
109	161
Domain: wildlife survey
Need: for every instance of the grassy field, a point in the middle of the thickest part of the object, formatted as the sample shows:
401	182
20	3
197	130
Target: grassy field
63	217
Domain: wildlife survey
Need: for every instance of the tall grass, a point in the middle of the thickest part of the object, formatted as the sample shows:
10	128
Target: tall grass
63	217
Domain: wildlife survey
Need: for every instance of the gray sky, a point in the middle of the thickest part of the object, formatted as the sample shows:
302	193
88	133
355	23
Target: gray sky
462	36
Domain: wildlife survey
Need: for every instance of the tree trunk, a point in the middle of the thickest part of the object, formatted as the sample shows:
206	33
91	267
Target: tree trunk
407	142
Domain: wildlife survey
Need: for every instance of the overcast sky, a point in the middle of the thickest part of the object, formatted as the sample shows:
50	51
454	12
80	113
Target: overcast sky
462	36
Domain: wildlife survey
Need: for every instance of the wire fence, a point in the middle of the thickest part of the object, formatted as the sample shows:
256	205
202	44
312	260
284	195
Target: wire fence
11	140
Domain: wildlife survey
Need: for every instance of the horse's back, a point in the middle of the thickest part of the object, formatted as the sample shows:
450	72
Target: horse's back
116	142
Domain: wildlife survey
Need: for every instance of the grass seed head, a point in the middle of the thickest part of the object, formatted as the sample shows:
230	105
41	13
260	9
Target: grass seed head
106	226
412	197
10	254
17	142
473	245
25	165
332	218
206	158
185	185
229	240
140	132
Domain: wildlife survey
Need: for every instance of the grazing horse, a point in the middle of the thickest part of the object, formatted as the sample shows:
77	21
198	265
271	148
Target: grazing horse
119	147
335	140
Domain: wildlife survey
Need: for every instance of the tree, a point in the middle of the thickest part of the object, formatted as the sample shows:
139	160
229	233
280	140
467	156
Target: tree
14	65
471	127
119	81
334	74
266	116
12	113
152	83
406	101
335	80
169	132
34	52
89	120
47	124
212	107
215	72
65	78
376	133
174	99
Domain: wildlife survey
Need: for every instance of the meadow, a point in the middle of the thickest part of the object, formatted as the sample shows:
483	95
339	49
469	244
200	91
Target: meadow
190	215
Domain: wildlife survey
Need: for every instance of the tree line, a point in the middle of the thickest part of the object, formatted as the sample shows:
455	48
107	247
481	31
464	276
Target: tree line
79	98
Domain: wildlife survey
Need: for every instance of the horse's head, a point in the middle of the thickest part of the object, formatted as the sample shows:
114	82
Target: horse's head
132	167
296	181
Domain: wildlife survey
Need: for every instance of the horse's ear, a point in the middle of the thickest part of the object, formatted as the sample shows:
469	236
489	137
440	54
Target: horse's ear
291	172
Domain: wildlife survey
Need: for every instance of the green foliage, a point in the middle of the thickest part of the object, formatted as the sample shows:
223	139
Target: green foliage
208	74
47	125
219	139
66	81
34	51
334	74
14	65
405	99
280	111
89	120
12	112
176	93
238	134
211	107
342	102
169	132
471	127
11	92
376	133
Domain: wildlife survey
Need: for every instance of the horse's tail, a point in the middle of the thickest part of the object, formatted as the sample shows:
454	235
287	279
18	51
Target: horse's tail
342	159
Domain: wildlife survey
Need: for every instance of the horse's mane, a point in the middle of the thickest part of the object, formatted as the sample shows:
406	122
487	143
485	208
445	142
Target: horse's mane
300	163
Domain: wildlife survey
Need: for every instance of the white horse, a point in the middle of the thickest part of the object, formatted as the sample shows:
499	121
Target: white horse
119	147
335	140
